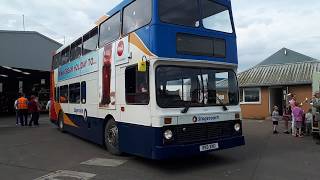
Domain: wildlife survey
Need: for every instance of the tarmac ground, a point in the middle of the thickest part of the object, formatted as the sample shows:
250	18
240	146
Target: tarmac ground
45	153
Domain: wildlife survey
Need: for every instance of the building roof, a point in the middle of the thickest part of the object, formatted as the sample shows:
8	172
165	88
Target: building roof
26	49
285	67
284	56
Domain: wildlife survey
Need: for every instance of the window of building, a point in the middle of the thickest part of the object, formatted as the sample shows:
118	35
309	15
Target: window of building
250	95
1	87
83	92
136	15
180	12
74	93
90	41
137	86
76	49
110	30
241	94
65	55
63	94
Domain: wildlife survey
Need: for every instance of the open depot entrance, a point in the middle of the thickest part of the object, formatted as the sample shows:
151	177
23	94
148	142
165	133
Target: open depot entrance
277	97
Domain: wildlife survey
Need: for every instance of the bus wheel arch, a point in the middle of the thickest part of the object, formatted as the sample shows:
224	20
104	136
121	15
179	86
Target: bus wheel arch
111	135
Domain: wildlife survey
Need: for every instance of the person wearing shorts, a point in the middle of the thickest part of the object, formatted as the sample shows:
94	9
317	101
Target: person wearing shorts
298	115
275	119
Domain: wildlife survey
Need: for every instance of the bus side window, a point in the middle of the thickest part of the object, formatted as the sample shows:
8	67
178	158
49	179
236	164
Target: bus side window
90	41
65	56
110	30
76	49
63	98
83	92
55	61
74	93
136	15
137	86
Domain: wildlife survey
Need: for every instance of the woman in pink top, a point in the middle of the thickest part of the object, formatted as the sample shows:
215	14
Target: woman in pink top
298	114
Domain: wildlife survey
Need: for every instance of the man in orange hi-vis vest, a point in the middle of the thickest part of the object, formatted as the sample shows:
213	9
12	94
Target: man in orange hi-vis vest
22	107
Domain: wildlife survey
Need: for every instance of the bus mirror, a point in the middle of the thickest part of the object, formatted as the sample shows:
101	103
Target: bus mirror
142	64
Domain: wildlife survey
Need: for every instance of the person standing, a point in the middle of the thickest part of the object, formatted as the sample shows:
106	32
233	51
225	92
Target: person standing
275	119
298	114
34	110
286	118
292	103
308	117
48	106
15	106
315	102
22	106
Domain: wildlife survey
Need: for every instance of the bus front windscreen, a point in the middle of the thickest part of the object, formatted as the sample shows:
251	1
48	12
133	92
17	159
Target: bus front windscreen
195	87
212	15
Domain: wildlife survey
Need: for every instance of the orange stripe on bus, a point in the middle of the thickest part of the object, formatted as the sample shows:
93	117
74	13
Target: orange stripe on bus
66	119
134	39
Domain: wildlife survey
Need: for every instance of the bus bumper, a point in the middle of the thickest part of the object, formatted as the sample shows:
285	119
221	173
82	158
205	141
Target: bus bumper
170	151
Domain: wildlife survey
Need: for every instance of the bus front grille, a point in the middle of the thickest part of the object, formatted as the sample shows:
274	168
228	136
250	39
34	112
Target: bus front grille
189	133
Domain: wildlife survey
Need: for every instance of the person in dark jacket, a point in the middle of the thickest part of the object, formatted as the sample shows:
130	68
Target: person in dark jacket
33	107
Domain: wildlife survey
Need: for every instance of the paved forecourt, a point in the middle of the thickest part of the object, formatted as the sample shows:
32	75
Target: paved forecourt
45	153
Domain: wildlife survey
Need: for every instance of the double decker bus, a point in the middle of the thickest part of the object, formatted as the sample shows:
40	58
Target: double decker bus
156	79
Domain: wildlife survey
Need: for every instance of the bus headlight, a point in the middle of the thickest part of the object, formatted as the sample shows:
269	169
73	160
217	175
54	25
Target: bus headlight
168	134
237	127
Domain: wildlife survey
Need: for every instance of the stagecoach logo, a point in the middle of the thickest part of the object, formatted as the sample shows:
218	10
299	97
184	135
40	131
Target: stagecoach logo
194	119
120	48
201	119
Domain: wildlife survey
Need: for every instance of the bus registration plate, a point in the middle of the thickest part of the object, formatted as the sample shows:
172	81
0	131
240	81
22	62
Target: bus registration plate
208	147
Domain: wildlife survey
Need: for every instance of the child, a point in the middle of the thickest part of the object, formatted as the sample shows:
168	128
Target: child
297	113
275	119
309	118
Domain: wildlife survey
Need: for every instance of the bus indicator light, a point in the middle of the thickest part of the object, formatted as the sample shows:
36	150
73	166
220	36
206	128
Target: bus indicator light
167	120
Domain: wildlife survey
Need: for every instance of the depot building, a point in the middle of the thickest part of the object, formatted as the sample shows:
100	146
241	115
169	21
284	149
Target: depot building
25	64
268	83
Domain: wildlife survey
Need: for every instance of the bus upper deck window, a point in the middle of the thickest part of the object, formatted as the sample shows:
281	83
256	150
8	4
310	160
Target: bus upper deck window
90	41
215	16
180	12
110	30
136	15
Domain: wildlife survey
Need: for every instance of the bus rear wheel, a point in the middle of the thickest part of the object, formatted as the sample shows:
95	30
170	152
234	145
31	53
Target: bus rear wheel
60	122
111	137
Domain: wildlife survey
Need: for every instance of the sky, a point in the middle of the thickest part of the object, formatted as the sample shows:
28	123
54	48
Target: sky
262	27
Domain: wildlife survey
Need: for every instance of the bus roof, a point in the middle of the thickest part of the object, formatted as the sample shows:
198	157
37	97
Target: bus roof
126	2
119	8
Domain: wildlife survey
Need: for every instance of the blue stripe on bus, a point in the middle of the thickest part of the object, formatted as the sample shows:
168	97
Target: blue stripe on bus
141	140
91	129
147	142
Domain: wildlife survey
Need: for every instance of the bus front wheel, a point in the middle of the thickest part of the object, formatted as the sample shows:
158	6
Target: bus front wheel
111	137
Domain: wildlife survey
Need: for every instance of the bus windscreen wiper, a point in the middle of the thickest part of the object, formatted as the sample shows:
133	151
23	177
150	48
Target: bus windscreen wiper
224	107
186	108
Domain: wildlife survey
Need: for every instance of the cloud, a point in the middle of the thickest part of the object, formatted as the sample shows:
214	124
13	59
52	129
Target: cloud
54	18
263	27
